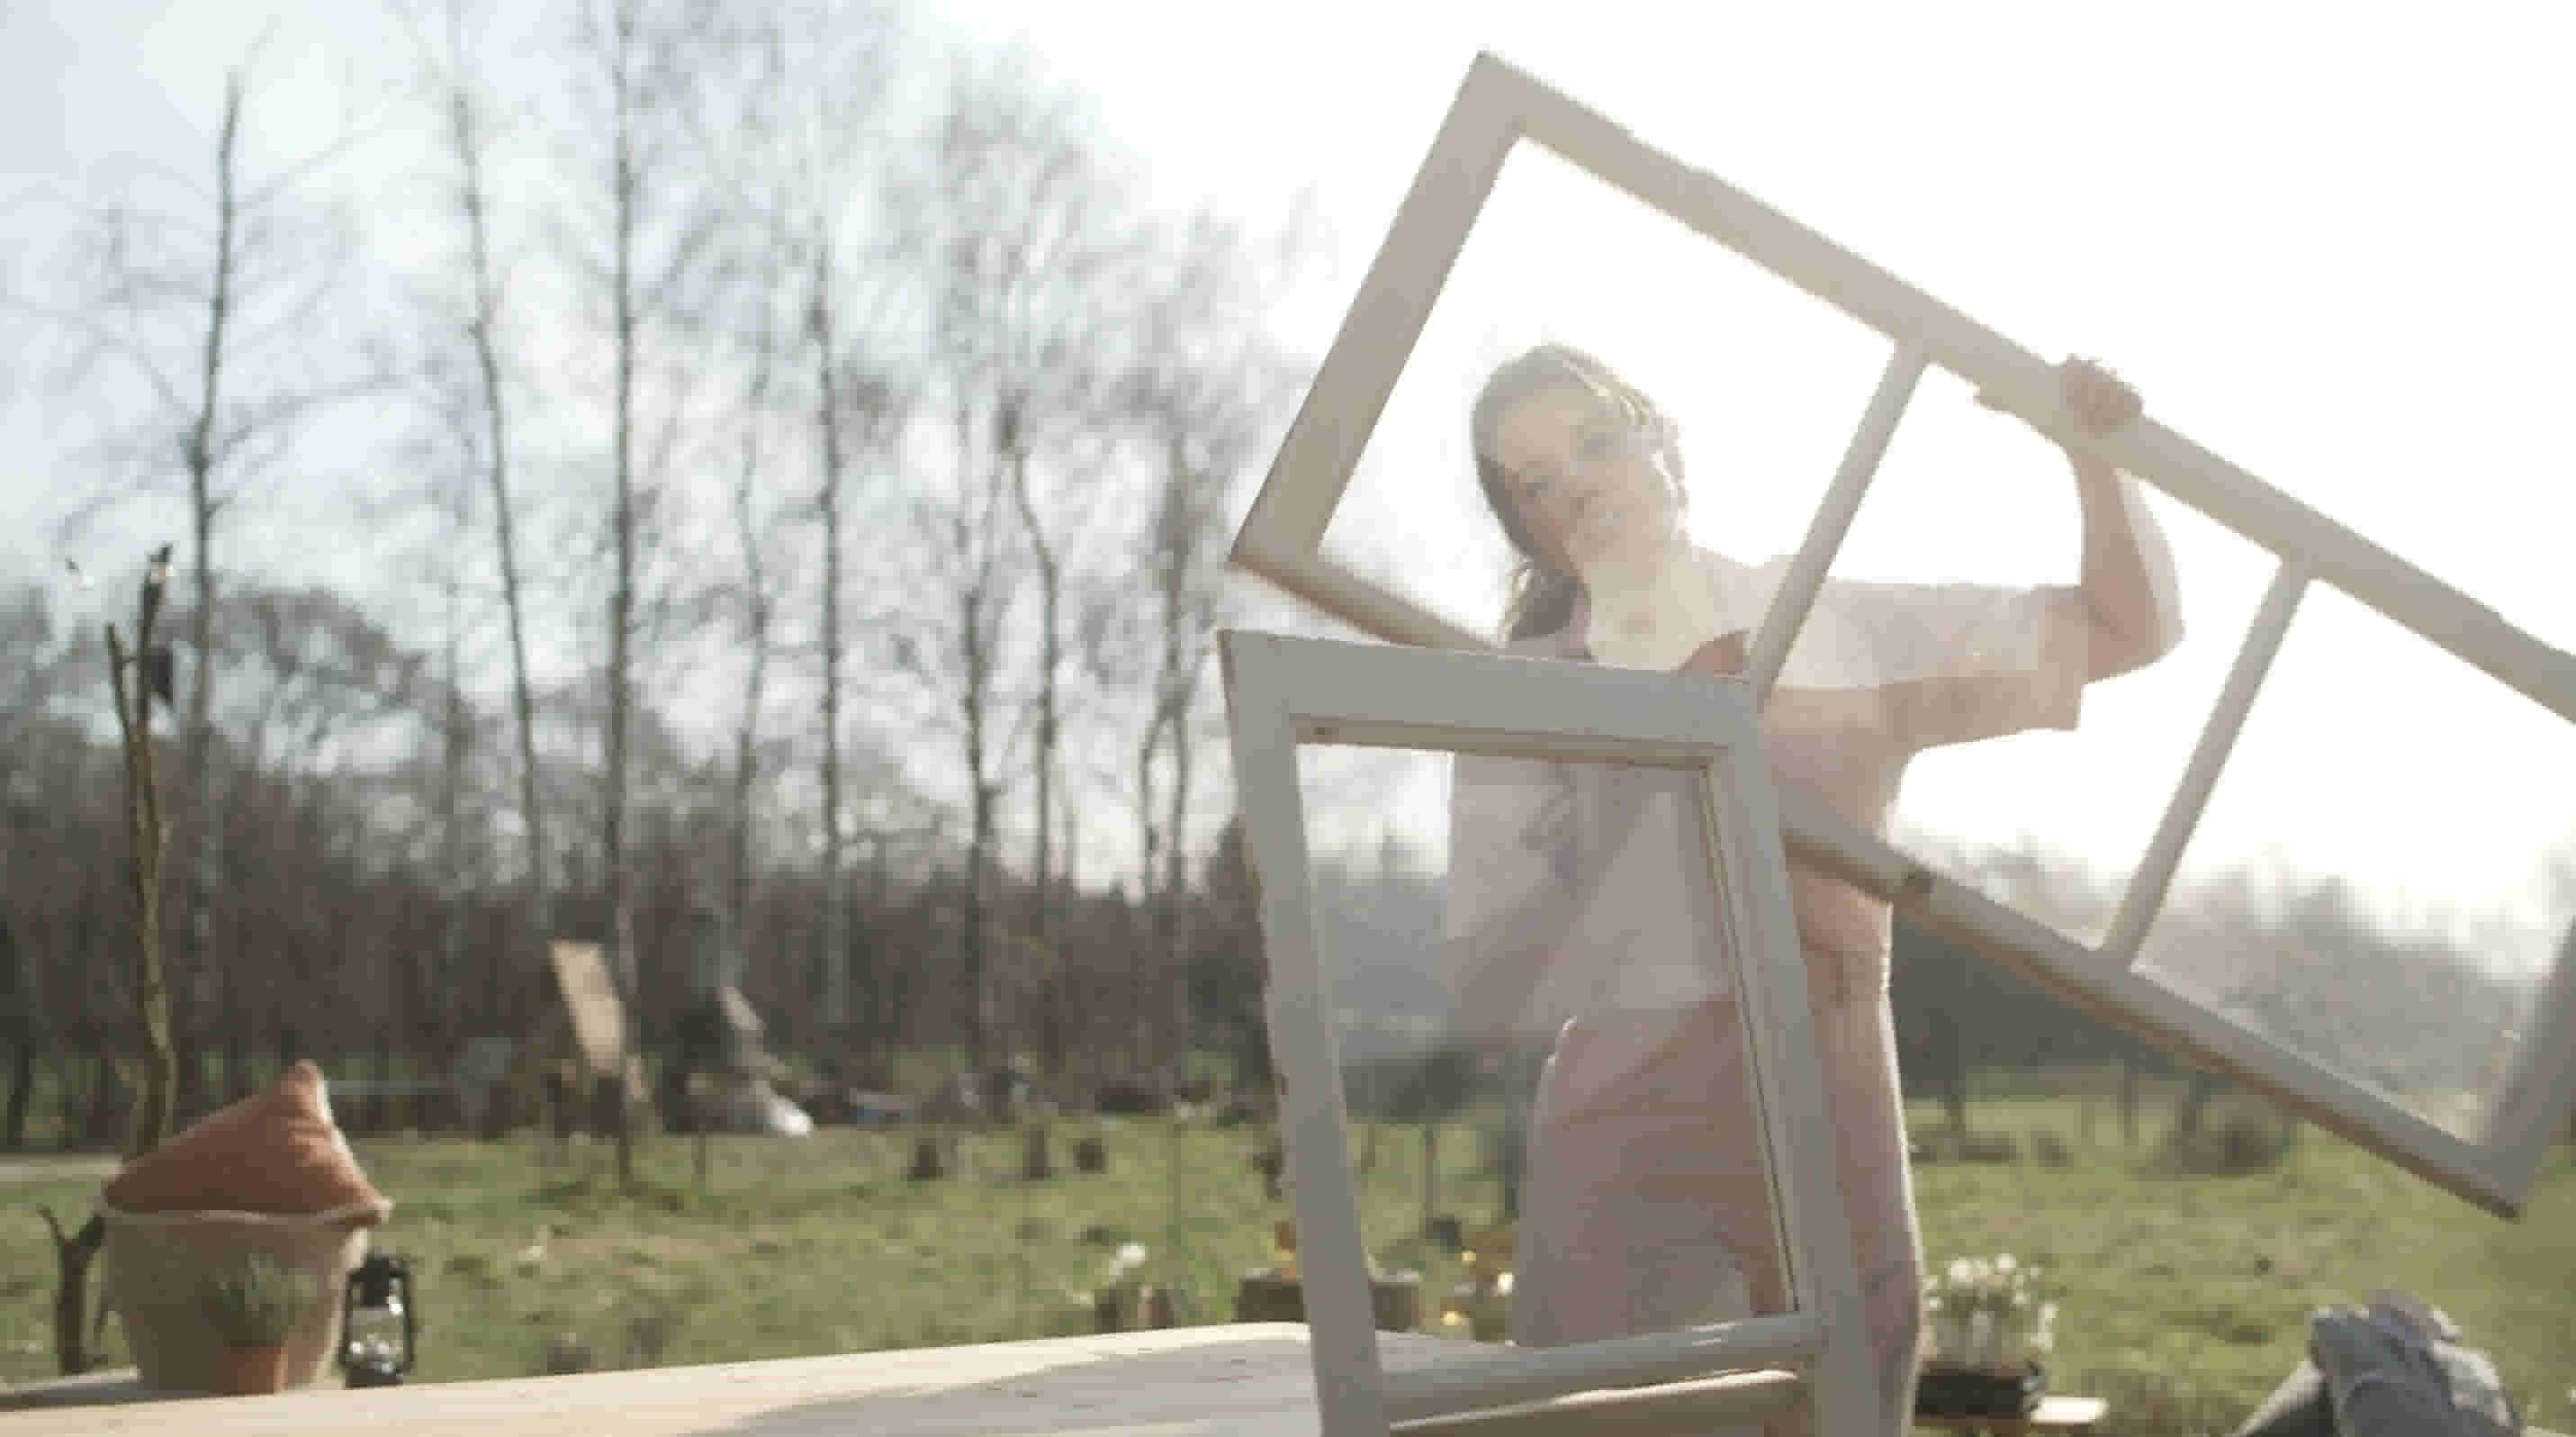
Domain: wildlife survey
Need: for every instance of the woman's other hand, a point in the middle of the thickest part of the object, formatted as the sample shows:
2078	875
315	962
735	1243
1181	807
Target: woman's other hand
2101	401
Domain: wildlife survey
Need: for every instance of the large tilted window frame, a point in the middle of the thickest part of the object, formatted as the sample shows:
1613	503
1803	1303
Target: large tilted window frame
1282	692
1281	540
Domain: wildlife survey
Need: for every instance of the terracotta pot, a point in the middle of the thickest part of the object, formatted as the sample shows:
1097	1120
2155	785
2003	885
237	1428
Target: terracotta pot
249	1371
155	1262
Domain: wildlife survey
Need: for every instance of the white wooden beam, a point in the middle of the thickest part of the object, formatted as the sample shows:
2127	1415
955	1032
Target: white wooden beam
1533	1374
1833	519
1678	1409
2145	896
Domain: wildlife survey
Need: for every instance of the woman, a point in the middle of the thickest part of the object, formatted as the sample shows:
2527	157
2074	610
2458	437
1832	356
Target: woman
1645	1207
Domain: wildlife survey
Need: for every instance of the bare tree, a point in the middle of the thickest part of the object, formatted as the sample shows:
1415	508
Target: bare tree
1038	236
822	326
455	721
759	608
974	576
659	235
1209	384
218	318
826	148
484	424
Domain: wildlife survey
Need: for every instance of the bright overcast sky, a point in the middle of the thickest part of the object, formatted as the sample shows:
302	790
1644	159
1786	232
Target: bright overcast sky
2329	247
2329	243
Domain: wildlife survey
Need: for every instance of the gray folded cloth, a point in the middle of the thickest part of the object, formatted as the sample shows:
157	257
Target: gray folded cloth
2395	1368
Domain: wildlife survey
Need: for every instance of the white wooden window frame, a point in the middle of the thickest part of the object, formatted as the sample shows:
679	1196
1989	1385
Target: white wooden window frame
1281	539
1282	692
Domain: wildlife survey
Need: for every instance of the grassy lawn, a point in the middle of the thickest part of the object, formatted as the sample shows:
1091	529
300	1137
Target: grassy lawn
2185	1298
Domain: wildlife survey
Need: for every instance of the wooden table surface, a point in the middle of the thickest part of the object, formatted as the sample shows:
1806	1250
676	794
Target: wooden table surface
1235	1380
1251	1379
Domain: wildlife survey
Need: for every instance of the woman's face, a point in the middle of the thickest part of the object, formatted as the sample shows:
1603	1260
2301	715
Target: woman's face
1586	481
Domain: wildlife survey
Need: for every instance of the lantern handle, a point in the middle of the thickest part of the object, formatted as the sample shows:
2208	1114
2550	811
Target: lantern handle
410	1316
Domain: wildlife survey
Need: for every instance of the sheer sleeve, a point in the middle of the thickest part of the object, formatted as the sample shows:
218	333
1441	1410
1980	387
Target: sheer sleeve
1960	662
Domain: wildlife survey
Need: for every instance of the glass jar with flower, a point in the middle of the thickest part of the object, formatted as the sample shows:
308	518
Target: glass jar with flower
1117	1303
1989	1312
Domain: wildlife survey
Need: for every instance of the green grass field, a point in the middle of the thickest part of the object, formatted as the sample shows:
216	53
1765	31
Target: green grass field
2185	1298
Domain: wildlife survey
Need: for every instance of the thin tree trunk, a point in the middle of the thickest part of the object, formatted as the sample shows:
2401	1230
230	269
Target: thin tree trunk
1014	447
449	964
236	1050
106	1103
465	130
206	856
746	751
382	1106
1430	1174
1175	908
975	545
22	1088
980	834
148	833
1148	875
621	604
832	1004
1177	530
22	1028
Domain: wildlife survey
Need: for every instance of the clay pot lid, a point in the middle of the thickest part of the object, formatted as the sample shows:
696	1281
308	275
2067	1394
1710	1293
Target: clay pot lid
277	1153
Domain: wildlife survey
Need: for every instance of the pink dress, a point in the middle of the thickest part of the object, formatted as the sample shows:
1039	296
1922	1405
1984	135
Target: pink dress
1644	1203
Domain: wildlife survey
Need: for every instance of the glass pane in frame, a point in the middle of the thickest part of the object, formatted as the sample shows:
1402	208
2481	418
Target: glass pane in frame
1525	1012
2386	870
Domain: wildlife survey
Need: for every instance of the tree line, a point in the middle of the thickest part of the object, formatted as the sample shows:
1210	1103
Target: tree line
787	457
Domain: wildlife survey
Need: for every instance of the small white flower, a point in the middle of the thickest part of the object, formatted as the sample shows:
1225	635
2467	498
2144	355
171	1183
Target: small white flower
1962	1271
1503	1284
1131	1254
2004	1263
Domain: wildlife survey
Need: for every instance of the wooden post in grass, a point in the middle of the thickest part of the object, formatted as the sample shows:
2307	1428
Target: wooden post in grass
148	834
1430	1174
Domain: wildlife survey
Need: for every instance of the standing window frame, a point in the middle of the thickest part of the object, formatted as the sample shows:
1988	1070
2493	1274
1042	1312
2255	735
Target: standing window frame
1284	692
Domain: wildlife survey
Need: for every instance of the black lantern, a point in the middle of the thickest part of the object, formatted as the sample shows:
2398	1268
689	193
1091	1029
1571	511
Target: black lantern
376	1322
